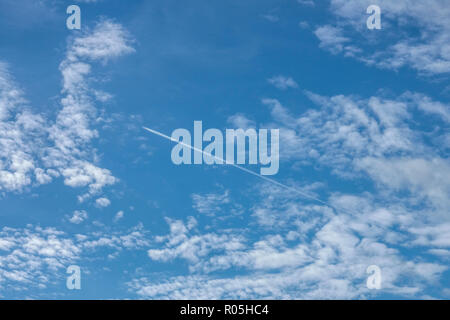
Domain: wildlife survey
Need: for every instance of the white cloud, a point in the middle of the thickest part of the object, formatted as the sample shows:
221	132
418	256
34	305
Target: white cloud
20	137
393	47
37	257
32	255
427	105
107	40
375	137
102	202
306	2
282	82
331	38
303	24
72	131
35	150
211	203
240	121
119	215
428	178
134	239
78	216
295	249
432	235
328	259
271	17
178	244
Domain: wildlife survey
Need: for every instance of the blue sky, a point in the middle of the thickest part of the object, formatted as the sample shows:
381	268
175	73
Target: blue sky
364	127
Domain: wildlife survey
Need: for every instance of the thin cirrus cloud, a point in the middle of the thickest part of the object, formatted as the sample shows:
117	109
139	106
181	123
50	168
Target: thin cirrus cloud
306	2
210	203
282	82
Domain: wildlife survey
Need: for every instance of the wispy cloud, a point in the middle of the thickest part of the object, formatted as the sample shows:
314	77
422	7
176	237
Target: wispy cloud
392	48
282	82
211	203
78	216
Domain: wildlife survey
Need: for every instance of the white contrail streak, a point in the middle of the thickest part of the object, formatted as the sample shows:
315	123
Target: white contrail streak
240	168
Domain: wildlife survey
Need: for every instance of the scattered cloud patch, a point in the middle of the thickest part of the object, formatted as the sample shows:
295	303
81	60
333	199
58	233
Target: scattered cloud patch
37	257
211	203
306	2
424	50
102	202
36	149
282	82
78	216
119	215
